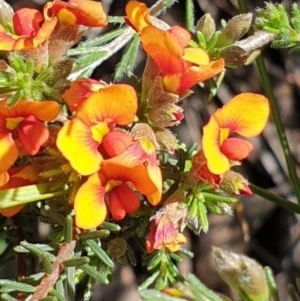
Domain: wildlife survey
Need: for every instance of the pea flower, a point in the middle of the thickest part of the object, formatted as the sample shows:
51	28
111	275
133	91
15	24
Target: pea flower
22	130
246	115
98	114
114	187
29	30
181	67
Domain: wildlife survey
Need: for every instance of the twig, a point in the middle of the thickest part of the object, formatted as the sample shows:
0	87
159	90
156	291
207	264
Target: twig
48	282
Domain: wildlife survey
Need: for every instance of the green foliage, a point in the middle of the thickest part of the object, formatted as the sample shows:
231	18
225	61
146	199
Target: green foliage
276	19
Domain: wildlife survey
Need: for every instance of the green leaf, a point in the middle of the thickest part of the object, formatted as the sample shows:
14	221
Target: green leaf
7	297
91	271
7	286
94	234
111	227
76	261
126	64
98	41
45	248
100	253
149	281
200	290
37	251
27	194
70	282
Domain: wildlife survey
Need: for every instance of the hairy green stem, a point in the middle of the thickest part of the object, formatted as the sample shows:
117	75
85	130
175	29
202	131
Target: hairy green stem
265	80
294	207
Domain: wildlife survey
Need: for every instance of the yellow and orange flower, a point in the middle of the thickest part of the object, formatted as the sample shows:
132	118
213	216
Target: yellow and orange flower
246	115
27	174
78	12
113	188
30	29
181	67
80	138
22	131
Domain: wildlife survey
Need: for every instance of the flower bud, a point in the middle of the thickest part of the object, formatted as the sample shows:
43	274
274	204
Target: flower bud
243	274
235	183
166	115
206	24
6	13
236	28
166	140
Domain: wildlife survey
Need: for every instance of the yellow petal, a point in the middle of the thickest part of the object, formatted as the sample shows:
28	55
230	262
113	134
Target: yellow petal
89	204
217	162
246	114
76	143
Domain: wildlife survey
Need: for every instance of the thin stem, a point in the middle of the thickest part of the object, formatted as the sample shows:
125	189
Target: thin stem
290	162
294	207
279	127
189	15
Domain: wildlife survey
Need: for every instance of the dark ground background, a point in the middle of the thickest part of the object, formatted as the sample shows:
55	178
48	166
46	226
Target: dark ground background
260	229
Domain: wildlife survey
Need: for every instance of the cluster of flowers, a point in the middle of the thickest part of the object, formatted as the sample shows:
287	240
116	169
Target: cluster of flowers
107	136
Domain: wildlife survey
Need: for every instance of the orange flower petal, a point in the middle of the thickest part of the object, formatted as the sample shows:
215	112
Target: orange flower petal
122	201
32	134
26	22
115	143
80	12
89	204
9	212
137	175
246	114
80	90
182	36
164	49
4	178
197	74
44	110
115	104
137	15
236	149
77	145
